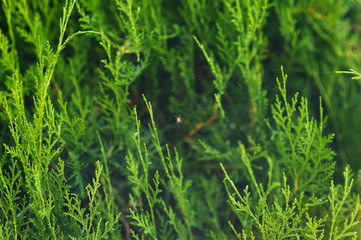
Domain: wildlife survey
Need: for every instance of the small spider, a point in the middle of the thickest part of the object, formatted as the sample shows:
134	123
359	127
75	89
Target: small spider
178	120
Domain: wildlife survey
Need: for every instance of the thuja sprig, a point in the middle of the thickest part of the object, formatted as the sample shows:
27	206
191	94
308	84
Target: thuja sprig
127	14
337	231
301	146
8	53
114	87
48	62
290	216
244	20
37	142
10	182
221	77
238	202
151	193
356	75
272	221
12	58
91	228
106	174
176	183
34	163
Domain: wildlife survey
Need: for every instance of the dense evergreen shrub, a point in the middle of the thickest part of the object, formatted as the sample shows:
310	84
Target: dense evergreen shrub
149	119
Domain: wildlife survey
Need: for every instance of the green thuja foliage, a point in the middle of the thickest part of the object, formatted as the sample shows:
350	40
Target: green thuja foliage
159	211
299	143
356	75
150	119
304	153
290	218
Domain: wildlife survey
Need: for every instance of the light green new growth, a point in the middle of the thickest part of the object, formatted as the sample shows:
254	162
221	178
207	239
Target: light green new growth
301	146
285	217
175	183
357	75
92	227
89	145
286	220
37	144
